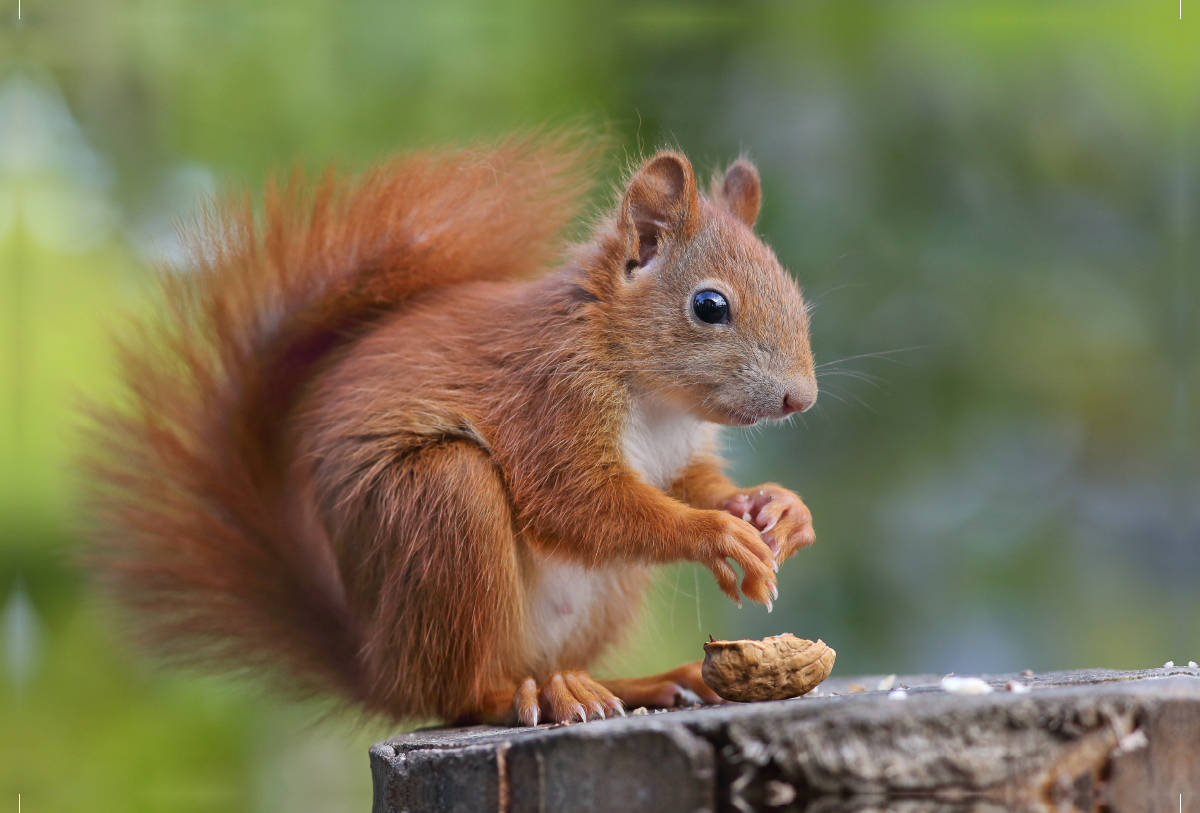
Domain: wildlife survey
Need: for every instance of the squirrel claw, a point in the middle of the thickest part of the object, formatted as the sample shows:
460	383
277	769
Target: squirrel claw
615	705
780	517
525	703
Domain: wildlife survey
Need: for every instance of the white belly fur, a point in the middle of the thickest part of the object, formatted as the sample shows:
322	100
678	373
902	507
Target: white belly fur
567	603
658	441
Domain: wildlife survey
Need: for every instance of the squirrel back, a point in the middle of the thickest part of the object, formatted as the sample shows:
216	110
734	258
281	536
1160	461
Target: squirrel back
195	529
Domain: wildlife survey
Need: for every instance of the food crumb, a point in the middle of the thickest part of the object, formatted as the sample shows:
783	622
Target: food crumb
965	685
897	694
887	683
1194	665
1017	687
855	688
1168	664
641	711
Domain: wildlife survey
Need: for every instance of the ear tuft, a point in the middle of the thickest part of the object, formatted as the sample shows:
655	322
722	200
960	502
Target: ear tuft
660	200
740	191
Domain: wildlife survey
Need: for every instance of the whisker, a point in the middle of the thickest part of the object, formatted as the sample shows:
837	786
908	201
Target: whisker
832	394
823	294
837	260
882	354
864	375
874	381
820	409
851	395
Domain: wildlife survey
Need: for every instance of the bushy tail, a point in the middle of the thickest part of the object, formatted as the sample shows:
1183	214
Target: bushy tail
194	529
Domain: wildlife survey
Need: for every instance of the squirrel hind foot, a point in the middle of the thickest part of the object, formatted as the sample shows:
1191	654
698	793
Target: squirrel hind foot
567	697
682	686
564	698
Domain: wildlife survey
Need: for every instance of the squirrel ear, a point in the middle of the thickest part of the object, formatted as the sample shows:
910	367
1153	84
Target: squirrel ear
660	199
739	191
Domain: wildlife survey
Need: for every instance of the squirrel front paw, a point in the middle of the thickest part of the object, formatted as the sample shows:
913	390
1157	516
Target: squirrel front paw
728	537
781	517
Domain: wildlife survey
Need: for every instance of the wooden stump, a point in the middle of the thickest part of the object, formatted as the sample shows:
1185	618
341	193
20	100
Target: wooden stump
1128	741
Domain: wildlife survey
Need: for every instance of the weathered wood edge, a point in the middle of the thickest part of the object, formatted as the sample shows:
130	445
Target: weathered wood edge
1076	737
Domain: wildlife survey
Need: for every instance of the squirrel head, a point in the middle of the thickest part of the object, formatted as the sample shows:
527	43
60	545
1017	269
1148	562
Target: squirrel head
697	307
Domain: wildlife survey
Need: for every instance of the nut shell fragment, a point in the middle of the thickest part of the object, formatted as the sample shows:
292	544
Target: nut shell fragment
774	668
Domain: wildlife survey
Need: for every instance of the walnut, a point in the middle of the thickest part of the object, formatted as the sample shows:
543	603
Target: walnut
774	668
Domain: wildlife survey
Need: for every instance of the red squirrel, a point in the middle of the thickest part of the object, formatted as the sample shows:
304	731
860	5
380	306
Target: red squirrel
374	443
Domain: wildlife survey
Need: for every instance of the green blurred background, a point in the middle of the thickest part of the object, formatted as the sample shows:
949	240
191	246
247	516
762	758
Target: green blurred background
1000	198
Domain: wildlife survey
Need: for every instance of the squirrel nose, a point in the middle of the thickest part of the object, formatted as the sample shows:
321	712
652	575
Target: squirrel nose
795	402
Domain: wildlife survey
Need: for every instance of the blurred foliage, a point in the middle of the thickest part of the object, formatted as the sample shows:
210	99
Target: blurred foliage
993	204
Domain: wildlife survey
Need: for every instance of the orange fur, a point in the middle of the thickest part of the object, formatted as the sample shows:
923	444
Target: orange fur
373	447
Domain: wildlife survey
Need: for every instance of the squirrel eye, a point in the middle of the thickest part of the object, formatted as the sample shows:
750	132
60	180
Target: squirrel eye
710	307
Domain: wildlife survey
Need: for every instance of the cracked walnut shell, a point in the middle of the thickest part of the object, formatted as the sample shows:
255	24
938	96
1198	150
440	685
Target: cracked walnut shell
774	668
